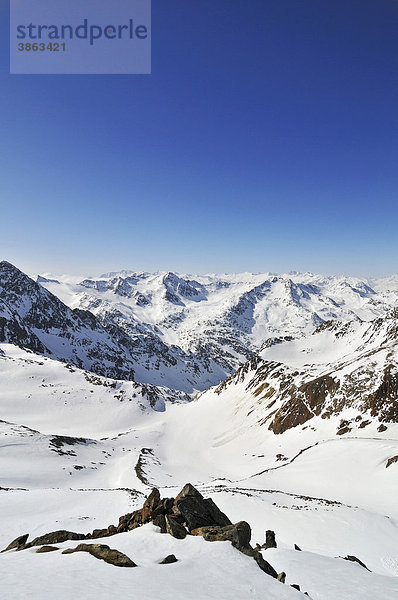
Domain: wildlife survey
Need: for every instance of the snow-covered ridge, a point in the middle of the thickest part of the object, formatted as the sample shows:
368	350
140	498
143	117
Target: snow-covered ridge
189	331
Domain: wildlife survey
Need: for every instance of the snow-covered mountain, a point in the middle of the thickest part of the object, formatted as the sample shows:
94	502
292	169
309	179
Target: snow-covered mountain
301	439
190	332
33	318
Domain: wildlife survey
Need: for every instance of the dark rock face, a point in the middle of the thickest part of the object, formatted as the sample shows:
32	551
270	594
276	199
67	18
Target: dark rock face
353	558
169	560
281	577
196	511
297	547
270	541
174	528
31	317
103	552
18	543
305	402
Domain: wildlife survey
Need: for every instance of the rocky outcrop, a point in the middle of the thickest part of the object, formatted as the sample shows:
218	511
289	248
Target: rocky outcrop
18	543
103	552
270	541
196	511
188	513
353	558
239	534
55	537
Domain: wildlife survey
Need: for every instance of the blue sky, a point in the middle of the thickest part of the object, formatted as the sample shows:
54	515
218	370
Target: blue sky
266	139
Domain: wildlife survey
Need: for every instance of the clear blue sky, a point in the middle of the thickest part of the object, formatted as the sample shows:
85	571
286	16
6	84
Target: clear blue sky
266	139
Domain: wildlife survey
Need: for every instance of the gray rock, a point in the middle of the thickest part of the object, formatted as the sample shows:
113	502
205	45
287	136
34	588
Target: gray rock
55	537
103	552
45	549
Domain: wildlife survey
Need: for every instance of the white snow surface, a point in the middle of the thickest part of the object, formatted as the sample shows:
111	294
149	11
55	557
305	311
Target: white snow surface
330	494
79	450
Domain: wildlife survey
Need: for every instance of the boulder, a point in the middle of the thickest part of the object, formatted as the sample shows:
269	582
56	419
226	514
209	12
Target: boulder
150	504
44	549
391	461
103	552
270	541
174	528
196	511
160	521
297	547
281	577
169	560
239	534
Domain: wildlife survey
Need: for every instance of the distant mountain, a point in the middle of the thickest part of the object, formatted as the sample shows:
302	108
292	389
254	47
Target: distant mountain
32	317
189	332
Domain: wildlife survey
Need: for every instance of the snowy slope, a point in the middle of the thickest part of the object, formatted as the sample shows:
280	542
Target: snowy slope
302	439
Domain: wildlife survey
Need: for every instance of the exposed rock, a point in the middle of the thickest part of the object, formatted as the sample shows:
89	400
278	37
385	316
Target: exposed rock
264	565
392	460
169	560
34	318
150	504
103	552
196	511
281	577
239	534
270	541
305	402
297	547
44	549
295	586
381	428
18	543
171	516
174	528
352	558
56	537
160	521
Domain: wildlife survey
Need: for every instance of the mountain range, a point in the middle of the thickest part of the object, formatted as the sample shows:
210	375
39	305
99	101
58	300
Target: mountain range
276	396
